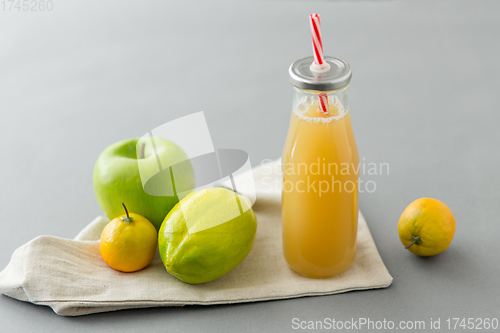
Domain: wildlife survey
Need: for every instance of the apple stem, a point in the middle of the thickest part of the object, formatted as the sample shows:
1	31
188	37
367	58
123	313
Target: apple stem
143	145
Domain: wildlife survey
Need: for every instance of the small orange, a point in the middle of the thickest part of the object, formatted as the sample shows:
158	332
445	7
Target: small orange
128	242
426	227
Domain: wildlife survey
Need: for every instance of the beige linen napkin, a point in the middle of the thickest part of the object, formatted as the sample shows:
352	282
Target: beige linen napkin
71	277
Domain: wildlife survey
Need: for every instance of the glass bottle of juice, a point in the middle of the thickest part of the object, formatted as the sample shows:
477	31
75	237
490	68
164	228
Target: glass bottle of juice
320	165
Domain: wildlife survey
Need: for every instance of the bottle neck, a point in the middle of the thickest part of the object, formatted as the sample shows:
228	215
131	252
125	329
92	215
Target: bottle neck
305	99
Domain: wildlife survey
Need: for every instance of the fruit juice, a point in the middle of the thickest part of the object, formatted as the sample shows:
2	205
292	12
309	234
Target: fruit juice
320	195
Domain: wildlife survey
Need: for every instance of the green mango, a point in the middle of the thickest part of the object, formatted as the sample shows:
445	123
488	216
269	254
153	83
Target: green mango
206	235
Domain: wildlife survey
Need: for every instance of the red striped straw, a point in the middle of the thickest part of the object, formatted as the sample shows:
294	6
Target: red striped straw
319	58
323	103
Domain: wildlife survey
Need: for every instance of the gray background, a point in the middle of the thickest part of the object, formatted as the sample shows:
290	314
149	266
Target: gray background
424	98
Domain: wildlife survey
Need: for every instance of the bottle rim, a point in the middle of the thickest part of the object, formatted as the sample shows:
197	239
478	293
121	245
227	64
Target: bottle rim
338	76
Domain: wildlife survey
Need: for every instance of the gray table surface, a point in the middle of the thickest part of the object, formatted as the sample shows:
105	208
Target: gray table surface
424	98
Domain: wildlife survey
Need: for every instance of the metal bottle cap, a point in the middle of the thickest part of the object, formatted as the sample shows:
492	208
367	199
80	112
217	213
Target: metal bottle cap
338	76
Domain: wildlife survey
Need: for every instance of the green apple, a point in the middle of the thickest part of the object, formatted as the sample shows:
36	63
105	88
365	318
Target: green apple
118	171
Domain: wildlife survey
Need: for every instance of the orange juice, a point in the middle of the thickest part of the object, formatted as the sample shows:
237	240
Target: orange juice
320	165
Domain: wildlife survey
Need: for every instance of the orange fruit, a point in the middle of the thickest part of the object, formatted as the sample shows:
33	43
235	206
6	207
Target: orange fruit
426	227
128	242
